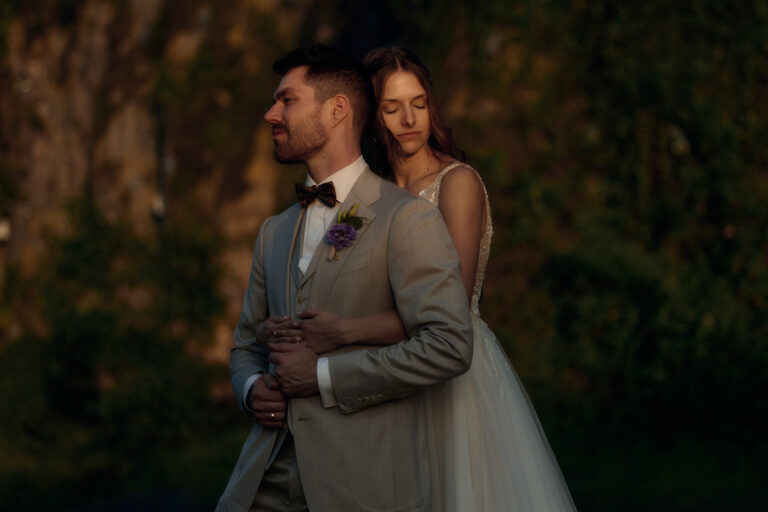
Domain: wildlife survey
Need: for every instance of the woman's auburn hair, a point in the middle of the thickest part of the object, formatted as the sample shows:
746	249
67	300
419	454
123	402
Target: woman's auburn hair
379	64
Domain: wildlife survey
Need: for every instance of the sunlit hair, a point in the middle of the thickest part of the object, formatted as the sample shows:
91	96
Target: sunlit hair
379	64
331	72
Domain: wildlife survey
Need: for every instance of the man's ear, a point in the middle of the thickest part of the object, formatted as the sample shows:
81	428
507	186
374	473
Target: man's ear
341	109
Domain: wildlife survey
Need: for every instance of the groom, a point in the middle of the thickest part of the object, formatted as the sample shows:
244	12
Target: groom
345	431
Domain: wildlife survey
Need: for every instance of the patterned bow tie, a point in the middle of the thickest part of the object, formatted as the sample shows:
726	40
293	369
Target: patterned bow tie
325	193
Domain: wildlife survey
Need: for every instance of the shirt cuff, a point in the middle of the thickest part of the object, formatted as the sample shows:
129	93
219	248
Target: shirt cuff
246	387
324	383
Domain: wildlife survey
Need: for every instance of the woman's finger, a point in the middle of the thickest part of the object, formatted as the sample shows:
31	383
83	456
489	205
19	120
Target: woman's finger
287	333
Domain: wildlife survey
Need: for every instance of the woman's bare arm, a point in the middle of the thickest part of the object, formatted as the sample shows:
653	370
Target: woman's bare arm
462	203
323	331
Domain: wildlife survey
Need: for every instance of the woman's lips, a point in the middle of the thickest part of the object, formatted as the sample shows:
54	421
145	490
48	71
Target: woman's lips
408	135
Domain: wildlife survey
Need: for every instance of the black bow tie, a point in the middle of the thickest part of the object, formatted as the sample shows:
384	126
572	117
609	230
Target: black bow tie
325	193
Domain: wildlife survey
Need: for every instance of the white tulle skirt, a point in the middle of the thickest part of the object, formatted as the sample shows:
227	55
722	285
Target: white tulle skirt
491	452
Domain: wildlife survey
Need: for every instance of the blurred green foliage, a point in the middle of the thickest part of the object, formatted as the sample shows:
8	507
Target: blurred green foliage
116	384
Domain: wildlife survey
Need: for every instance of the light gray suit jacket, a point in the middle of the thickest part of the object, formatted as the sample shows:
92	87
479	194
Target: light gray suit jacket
371	452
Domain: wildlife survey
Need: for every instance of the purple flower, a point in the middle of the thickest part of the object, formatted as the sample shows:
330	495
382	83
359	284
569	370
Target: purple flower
340	236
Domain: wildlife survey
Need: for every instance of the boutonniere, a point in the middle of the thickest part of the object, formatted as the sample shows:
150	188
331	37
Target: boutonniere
344	233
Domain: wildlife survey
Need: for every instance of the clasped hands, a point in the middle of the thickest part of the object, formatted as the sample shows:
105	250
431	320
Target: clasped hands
294	346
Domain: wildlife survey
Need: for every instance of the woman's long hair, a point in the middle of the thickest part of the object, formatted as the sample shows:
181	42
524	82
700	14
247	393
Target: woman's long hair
379	64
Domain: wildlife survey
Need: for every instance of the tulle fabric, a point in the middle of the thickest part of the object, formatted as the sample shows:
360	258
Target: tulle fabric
491	452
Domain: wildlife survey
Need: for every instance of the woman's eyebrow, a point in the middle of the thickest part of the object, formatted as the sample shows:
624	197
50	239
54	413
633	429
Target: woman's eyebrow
394	100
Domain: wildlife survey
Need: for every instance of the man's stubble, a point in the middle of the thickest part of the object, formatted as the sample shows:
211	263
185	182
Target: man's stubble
304	139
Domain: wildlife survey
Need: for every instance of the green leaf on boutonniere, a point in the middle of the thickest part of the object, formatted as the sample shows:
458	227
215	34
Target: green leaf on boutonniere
349	217
355	222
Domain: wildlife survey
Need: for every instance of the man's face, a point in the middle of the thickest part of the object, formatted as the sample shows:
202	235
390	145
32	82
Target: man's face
297	131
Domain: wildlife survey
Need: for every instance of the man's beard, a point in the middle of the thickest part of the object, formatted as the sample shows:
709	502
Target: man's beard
302	140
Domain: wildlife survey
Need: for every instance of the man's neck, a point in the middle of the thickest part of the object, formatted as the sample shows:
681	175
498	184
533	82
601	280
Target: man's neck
323	165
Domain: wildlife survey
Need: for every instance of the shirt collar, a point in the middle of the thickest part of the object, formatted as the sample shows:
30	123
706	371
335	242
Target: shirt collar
343	179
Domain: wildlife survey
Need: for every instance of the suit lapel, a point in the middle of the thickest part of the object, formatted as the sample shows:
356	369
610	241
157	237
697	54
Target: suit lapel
296	275
295	220
365	191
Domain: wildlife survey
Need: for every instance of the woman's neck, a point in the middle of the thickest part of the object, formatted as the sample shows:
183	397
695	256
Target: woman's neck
415	172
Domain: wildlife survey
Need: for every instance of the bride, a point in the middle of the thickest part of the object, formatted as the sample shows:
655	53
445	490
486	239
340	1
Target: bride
491	452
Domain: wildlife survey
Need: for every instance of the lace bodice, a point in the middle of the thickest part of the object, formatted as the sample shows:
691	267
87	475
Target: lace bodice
432	193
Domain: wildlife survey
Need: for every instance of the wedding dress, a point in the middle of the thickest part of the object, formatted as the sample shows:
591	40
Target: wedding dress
492	454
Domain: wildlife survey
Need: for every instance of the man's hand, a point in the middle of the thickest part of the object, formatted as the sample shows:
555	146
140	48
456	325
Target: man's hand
295	367
267	402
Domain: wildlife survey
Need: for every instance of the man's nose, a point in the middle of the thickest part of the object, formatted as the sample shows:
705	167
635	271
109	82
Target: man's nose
273	115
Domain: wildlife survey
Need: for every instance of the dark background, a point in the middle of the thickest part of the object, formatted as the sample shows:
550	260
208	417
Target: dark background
624	149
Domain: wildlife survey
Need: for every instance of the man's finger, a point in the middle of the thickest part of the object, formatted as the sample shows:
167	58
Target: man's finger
269	422
308	313
266	394
267	407
270	381
267	388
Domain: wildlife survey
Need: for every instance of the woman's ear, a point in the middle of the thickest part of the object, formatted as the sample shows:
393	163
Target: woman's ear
341	108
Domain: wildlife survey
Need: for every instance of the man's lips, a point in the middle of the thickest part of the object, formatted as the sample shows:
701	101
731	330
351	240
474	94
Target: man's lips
278	131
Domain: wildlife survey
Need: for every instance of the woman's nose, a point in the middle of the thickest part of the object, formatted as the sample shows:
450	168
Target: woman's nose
407	118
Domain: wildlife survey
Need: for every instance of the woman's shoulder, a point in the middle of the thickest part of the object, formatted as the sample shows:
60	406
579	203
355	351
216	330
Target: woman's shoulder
460	178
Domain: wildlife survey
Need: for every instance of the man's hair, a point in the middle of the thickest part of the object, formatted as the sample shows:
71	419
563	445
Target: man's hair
331	72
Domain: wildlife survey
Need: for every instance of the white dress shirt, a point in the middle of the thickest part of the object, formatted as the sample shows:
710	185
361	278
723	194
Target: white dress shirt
318	219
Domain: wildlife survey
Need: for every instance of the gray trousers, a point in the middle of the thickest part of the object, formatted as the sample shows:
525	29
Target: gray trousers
280	488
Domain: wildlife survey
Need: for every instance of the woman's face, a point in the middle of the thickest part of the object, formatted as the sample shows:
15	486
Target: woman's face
403	110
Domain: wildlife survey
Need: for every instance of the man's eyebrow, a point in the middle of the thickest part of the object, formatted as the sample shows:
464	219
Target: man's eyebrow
282	92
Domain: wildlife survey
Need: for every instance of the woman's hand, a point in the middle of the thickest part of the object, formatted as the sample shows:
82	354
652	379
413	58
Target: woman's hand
320	331
278	329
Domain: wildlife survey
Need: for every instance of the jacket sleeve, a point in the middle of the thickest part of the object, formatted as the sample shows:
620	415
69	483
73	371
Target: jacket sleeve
247	356
429	295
